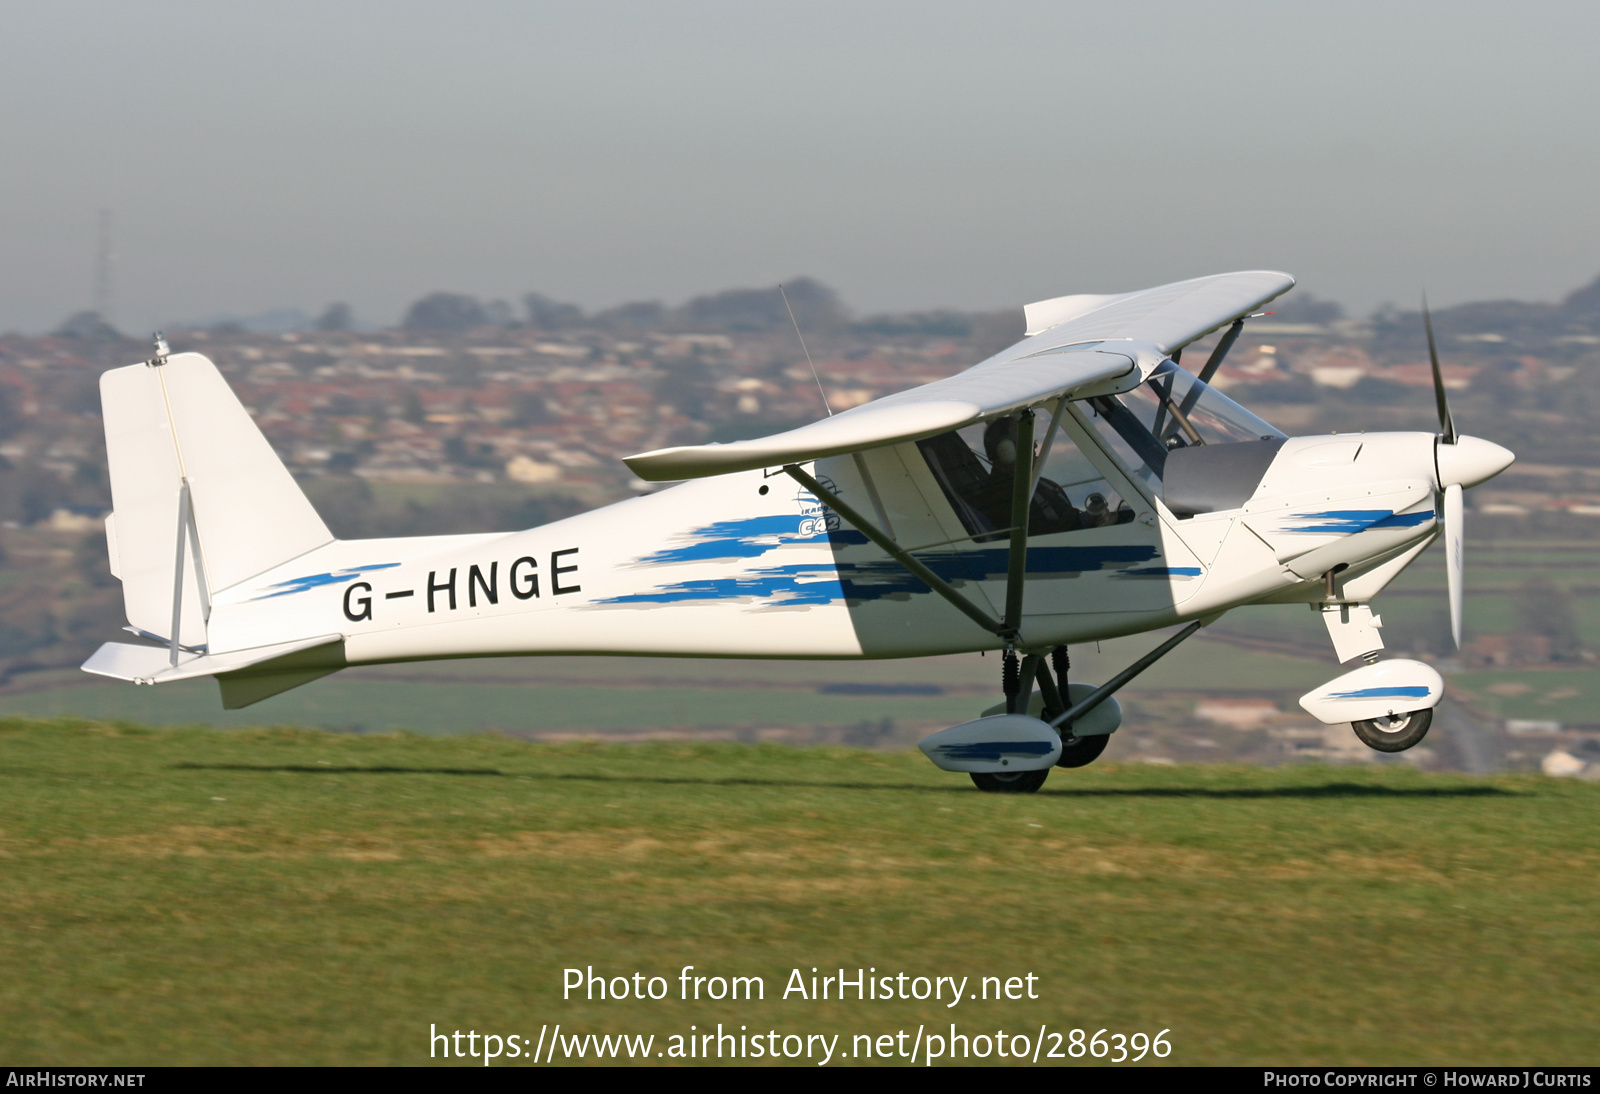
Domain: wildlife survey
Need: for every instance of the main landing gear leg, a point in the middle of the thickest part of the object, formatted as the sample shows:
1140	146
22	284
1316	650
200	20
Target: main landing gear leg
1075	751
1054	690
1010	680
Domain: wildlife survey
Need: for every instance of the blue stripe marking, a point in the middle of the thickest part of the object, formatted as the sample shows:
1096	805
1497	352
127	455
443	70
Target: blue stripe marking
809	584
1339	521
865	581
1413	691
994	750
312	581
1349	521
1161	571
1406	520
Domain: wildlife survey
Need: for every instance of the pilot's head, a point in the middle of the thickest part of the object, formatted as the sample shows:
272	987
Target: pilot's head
999	442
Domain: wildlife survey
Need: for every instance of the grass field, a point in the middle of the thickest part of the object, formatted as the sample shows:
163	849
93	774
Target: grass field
290	896
537	695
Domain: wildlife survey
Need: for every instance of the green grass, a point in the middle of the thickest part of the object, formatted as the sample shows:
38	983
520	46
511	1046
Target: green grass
289	896
456	707
635	694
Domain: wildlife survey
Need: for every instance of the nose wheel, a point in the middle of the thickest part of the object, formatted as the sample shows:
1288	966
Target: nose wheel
1395	733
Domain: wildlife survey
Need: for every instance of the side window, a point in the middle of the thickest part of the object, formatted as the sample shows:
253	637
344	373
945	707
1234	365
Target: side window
1068	471
974	469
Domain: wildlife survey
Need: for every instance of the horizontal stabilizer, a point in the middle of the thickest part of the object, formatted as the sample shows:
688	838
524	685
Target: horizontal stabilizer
153	664
265	679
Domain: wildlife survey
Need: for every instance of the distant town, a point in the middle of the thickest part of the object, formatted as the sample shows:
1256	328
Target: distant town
476	416
468	392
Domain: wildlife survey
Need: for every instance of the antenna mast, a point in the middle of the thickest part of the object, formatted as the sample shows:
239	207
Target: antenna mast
805	351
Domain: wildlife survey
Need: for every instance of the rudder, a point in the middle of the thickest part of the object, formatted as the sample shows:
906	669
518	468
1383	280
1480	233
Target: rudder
176	424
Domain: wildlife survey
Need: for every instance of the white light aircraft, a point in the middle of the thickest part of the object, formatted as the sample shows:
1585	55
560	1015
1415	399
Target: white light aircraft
1080	485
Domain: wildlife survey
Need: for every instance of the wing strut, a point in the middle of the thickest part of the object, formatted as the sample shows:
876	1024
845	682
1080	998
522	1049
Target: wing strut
1214	362
1021	495
1078	710
894	551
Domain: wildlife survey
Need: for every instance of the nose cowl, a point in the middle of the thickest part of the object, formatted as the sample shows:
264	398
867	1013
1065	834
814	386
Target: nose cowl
1470	460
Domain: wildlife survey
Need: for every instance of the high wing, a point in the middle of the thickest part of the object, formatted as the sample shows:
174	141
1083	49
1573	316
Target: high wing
1073	344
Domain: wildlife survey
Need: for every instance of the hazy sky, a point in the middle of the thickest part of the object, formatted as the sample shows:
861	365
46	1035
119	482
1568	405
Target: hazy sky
909	154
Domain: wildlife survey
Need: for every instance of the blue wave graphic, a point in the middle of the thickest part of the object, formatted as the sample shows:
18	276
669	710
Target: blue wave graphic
748	538
1410	691
312	581
1350	521
780	586
1339	521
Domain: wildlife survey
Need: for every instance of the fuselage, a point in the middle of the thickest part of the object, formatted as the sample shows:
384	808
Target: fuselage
751	565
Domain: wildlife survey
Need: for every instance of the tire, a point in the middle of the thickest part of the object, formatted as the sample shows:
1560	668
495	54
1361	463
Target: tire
1018	782
1083	751
1395	734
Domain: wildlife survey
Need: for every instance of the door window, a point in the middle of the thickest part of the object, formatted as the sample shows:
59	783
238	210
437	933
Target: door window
974	468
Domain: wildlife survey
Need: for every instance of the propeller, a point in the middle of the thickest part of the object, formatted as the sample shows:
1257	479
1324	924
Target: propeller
1453	554
1446	423
1454	540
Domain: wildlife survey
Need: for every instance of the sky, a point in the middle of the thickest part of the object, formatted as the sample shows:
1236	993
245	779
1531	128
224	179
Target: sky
911	155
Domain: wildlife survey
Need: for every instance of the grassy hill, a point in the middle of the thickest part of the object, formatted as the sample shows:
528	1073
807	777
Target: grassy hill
293	896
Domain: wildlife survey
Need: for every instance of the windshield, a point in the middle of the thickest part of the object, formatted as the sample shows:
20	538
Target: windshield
1172	409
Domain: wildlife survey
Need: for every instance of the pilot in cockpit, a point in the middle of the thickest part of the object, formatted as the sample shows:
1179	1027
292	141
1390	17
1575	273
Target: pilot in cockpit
1051	511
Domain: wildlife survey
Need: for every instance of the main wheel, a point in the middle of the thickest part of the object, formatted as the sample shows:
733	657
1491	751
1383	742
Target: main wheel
1396	733
1081	751
1010	782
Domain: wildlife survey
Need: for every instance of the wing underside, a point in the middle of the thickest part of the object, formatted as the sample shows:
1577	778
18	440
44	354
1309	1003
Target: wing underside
1074	344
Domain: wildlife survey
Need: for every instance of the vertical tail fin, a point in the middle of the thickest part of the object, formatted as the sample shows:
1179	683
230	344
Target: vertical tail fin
200	501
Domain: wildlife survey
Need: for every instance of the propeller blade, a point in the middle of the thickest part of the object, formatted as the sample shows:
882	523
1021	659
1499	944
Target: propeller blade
1447	424
1454	561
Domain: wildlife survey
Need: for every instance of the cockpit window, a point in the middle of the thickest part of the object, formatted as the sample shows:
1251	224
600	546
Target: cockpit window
1172	409
974	467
